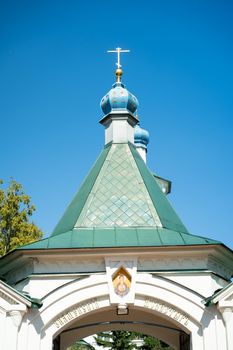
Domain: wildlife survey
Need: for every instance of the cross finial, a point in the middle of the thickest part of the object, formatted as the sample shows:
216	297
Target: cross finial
119	71
118	51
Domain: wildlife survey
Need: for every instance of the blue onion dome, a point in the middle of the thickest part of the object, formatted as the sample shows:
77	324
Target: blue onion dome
141	137
119	99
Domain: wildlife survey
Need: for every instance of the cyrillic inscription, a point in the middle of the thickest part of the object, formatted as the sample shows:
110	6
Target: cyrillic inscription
78	310
155	304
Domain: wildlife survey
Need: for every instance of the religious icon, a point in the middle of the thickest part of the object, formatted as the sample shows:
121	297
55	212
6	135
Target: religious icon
121	282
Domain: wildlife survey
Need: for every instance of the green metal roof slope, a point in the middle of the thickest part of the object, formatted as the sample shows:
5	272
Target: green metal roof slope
119	191
73	211
119	204
167	214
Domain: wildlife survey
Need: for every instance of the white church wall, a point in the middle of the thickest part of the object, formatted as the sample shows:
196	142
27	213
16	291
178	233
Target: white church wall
39	286
203	283
176	298
158	297
43	274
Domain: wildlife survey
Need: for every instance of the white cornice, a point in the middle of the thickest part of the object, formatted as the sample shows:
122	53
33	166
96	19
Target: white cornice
12	297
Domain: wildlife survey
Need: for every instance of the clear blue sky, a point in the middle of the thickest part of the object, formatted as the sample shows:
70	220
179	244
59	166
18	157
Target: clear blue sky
54	70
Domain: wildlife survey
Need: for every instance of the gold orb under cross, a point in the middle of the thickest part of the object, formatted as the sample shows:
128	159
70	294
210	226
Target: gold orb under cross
119	73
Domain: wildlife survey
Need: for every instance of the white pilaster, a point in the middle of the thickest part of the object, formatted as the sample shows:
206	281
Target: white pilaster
228	320
12	325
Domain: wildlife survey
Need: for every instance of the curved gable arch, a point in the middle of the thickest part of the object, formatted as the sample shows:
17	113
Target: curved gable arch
76	301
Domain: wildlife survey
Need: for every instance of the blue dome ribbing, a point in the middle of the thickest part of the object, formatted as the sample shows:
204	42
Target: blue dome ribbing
119	99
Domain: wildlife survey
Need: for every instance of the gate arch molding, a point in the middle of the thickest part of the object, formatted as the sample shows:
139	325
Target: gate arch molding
77	300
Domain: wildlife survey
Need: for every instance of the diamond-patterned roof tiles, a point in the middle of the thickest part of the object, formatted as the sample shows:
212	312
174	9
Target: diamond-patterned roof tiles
119	196
119	204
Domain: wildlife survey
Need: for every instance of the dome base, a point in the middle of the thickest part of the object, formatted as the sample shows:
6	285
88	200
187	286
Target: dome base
119	126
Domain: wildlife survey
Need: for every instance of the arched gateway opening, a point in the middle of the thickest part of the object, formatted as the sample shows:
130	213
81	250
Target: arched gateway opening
83	307
137	321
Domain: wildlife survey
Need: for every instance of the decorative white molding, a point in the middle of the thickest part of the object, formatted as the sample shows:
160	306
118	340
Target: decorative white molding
11	299
70	265
179	262
7	298
172	263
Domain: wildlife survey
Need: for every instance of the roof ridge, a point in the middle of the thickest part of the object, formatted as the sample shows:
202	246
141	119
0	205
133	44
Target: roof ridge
167	214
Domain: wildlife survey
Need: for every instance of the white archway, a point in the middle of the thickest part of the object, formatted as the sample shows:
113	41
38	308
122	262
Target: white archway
86	301
106	320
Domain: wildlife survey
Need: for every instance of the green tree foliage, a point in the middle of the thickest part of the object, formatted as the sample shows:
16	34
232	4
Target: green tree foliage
81	345
120	340
151	343
115	340
15	212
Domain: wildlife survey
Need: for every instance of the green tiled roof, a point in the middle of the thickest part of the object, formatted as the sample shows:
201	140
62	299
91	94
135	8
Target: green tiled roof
119	204
119	196
119	237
